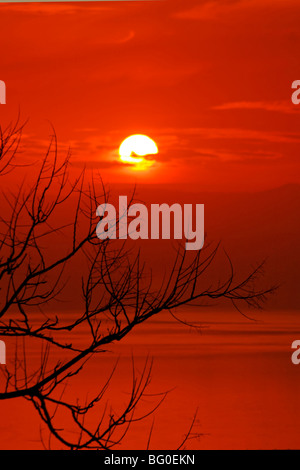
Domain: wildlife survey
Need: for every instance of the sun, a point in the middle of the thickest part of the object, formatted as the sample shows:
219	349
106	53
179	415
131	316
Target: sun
134	148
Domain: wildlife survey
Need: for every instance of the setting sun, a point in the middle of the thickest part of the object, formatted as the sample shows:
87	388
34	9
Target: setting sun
134	148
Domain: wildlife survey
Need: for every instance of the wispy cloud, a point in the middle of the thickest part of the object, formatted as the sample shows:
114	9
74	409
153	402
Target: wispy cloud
236	134
238	145
217	9
286	107
53	8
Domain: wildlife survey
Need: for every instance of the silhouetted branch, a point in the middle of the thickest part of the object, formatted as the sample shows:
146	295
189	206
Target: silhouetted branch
39	258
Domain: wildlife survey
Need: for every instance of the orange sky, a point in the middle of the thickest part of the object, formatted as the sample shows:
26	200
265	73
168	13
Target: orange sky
210	81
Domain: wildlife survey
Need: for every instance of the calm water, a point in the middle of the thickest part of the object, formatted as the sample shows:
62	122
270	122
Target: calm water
237	373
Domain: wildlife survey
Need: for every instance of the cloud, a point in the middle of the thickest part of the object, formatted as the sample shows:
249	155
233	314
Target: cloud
95	151
217	9
207	145
97	164
177	147
211	154
286	107
53	8
127	38
241	156
205	11
185	135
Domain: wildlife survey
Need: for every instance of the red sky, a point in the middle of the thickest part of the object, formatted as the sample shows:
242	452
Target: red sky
209	81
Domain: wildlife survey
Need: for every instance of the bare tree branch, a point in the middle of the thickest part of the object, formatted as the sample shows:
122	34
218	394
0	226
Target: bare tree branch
49	229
